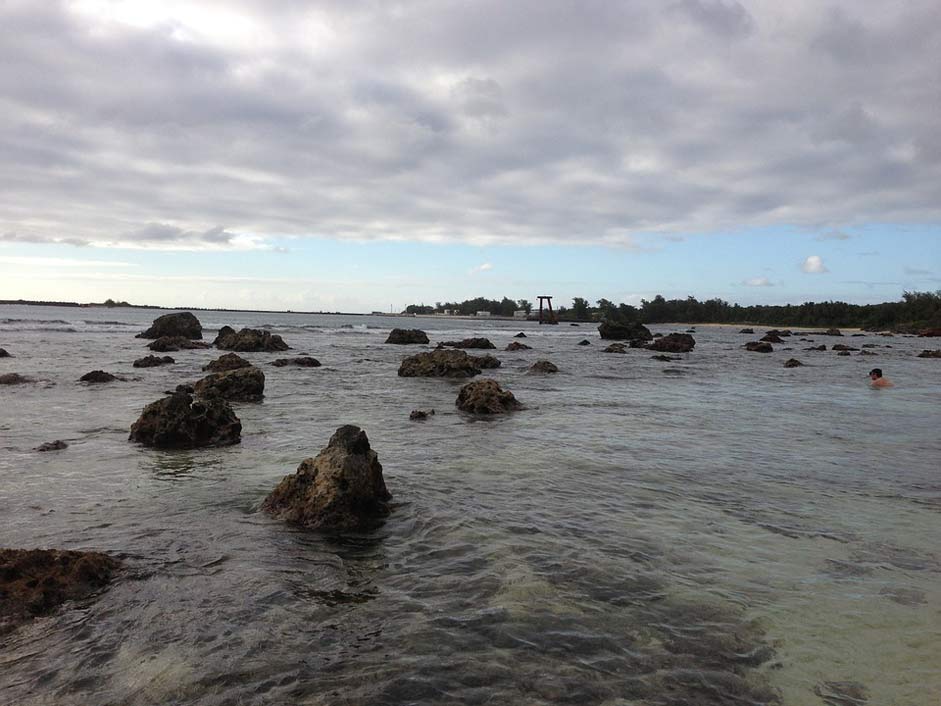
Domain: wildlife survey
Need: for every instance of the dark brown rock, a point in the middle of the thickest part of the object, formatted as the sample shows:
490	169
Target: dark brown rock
4	354
420	414
182	324
181	422
929	333
14	379
930	354
517	346
793	363
615	348
759	347
249	340
816	348
35	582
543	366
97	377
673	343
747	330
342	488
780	333
57	445
168	344
771	338
403	336
440	363
832	332
584	342
468	343
227	361
520	335
301	361
624	332
239	385
152	361
486	397
842	347
486	362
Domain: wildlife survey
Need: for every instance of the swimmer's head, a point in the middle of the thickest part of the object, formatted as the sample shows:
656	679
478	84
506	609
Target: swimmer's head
875	373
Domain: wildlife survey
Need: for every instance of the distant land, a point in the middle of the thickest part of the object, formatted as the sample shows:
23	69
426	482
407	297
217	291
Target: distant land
109	304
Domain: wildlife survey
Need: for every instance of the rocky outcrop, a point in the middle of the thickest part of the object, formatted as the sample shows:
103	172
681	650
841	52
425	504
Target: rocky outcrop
930	354
747	330
615	348
301	361
239	385
486	397
924	333
168	344
152	361
832	332
468	343
440	363
673	343
97	377
57	445
792	363
584	342
228	361
342	488
249	340
517	346
771	338
4	354
543	366
14	379
182	422
34	582
405	336
520	335
759	347
613	331
780	333
183	324
420	414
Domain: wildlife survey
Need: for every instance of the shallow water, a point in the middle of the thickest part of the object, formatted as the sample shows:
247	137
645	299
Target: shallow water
714	530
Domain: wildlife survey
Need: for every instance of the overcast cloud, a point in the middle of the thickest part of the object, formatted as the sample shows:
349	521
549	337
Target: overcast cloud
200	125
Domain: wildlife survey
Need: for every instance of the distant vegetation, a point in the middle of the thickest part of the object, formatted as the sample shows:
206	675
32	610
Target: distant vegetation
914	310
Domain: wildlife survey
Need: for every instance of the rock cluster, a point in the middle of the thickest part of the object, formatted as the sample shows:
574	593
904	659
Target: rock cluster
468	343
301	361
182	324
673	343
405	336
614	331
486	397
182	422
440	363
342	488
152	361
248	340
239	385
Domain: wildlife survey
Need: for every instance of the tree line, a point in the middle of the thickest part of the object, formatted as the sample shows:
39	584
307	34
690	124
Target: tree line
914	310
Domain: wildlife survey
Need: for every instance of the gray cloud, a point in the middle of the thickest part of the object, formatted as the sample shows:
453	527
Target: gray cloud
447	122
834	235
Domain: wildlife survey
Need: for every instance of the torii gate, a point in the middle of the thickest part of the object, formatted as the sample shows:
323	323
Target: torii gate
548	317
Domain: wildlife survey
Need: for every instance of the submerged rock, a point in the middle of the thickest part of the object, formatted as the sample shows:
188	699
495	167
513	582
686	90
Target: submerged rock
832	332
183	324
97	377
405	336
843	352
35	582
543	366
584	342
181	422
929	333
228	361
468	343
419	414
615	348
301	361
57	445
930	354
816	348
486	361
342	488
747	330
759	347
440	363
486	397
771	338
4	354
793	363
249	340
624	332
520	335
517	346
665	358
673	343
842	347
239	385
168	344
152	361
14	379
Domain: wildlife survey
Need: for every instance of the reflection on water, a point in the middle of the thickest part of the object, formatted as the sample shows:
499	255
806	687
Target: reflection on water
712	530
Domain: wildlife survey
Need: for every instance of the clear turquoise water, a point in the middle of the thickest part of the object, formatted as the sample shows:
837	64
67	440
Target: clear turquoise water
717	530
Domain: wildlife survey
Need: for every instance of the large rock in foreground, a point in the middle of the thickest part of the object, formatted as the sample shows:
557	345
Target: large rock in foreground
404	336
239	385
183	324
468	343
248	340
613	331
35	582
229	361
341	489
486	397
180	422
441	364
673	343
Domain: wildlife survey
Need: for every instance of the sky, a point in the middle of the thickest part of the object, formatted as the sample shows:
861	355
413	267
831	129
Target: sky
365	155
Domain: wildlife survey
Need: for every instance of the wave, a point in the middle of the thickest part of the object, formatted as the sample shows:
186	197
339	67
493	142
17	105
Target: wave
34	321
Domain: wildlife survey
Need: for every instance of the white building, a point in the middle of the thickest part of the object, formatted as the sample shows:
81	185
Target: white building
482	313
520	314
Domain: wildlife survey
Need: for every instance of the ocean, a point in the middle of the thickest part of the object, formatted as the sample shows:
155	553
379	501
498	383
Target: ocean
712	530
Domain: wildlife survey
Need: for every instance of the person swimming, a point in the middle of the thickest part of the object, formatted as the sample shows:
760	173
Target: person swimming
876	379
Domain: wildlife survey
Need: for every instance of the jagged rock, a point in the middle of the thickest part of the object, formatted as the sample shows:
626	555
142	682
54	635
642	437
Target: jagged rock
615	348
56	445
792	363
832	332
227	361
403	336
440	363
543	366
665	358
771	338
468	343
97	377
520	335
747	330
182	422
249	340
759	347
930	354
342	488
842	347
486	361
14	379
168	344
517	346
929	333
239	385
584	342
674	343
182	324
420	414
301	361
624	332
152	361
35	582
816	348
4	354
486	397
